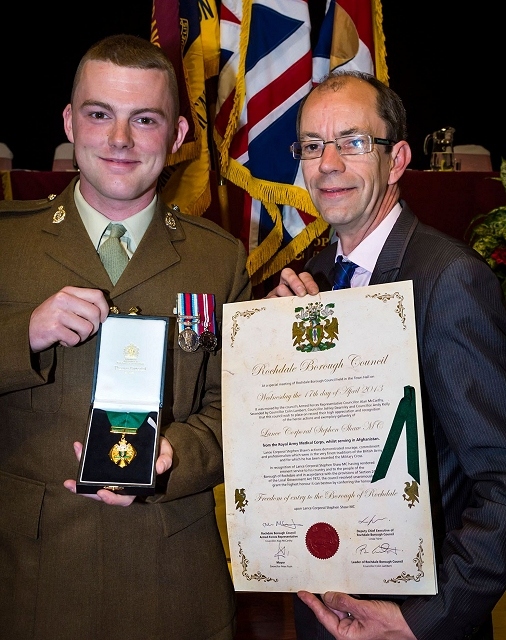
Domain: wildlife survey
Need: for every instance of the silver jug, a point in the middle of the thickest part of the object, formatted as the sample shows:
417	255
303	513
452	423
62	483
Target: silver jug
440	146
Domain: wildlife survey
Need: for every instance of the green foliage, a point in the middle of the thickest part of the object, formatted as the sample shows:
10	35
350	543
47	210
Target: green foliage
488	236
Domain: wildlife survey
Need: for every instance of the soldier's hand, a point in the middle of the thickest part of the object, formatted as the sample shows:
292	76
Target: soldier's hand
68	317
163	464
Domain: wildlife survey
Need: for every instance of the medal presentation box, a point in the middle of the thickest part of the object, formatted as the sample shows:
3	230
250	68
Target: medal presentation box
121	443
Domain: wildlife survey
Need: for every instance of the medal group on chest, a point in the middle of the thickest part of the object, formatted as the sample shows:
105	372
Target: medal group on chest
196	320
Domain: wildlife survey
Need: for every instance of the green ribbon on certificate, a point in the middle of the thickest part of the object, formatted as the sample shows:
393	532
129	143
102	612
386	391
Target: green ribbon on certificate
405	415
125	422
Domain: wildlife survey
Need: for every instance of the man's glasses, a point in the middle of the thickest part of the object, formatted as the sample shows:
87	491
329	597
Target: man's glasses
346	146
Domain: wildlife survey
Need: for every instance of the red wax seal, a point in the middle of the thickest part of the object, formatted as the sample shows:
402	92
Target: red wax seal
322	540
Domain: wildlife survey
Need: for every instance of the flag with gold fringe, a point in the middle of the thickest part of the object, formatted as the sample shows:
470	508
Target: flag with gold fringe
188	31
5	185
268	64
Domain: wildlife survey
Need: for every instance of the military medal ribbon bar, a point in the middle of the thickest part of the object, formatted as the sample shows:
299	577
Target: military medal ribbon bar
196	319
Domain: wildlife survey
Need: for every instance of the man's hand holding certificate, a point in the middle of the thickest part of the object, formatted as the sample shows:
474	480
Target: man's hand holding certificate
325	470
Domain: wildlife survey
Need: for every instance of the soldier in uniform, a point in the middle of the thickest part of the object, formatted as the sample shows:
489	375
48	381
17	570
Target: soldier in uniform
108	566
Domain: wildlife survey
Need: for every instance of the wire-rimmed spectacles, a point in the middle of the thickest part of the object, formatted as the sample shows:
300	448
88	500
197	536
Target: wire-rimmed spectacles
346	146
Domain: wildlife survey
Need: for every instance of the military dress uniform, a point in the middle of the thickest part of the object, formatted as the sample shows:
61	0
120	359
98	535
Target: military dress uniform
72	567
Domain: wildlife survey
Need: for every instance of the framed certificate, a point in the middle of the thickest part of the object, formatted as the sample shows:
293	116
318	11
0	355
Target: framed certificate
325	469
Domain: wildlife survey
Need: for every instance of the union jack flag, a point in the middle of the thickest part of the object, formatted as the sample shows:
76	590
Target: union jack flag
267	67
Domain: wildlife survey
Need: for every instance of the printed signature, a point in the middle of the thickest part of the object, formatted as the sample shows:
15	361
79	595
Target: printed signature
282	523
371	520
384	547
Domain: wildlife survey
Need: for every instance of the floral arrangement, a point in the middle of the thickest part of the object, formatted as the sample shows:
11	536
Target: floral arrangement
488	237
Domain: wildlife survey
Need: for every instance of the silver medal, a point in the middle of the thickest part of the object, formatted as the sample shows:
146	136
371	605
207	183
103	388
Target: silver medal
188	340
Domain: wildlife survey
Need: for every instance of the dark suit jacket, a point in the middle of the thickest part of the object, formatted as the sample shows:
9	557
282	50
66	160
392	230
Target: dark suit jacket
71	567
461	333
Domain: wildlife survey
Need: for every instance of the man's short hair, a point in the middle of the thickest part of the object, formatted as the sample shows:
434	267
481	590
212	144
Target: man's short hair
389	106
130	51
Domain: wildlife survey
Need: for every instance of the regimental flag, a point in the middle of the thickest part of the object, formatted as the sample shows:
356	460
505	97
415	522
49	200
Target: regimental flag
188	31
5	185
267	67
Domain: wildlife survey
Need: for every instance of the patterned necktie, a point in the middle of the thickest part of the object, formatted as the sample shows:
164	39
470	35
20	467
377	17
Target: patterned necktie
344	273
112	253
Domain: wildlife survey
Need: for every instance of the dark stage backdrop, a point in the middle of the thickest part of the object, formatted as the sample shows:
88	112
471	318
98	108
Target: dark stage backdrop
443	57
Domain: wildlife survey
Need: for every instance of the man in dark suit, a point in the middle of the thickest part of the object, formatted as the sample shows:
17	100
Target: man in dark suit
352	145
110	566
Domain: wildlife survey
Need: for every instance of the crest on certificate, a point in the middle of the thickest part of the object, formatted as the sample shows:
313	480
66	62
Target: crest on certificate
411	493
315	328
240	500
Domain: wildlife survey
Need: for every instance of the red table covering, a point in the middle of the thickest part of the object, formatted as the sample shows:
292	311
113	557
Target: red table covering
445	200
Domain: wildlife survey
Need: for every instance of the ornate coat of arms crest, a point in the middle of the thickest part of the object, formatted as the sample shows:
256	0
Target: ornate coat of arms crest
315	329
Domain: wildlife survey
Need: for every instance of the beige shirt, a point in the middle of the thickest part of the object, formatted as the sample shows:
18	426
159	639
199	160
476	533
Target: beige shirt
96	223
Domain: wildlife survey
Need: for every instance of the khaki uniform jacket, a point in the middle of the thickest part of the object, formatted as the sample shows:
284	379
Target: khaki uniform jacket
72	568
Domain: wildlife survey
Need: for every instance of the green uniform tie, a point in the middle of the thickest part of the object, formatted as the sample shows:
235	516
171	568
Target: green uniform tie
112	253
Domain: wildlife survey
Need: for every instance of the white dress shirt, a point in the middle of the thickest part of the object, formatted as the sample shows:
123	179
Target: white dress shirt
365	255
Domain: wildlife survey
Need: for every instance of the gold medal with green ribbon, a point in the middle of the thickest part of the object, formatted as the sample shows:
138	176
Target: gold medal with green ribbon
126	423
